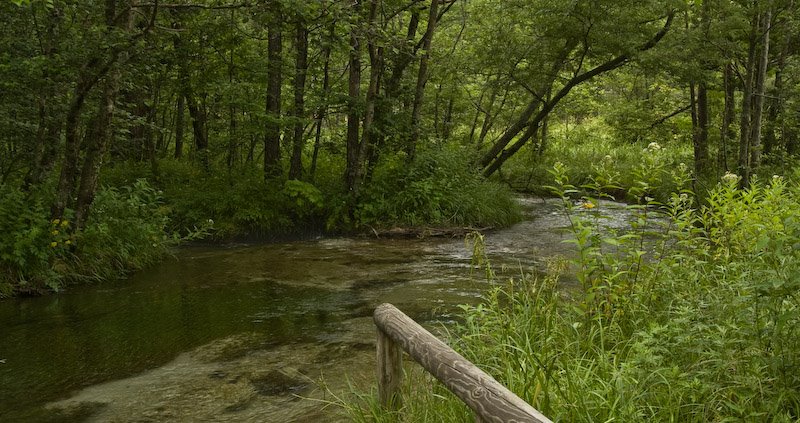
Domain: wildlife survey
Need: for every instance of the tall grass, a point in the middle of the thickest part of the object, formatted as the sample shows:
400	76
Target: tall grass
695	322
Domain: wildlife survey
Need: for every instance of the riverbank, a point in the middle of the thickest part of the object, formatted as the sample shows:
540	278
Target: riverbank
313	297
702	327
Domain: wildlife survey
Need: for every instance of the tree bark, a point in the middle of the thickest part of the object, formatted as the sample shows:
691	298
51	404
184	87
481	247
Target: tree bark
233	143
272	135
97	143
88	77
479	111
385	115
301	68
422	78
353	106
497	155
700	135
758	104
524	118
367	147
322	109
726	131
776	107
48	135
747	105
179	126
198	127
490	116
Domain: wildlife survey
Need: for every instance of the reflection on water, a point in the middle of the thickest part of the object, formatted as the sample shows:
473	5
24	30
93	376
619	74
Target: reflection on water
232	333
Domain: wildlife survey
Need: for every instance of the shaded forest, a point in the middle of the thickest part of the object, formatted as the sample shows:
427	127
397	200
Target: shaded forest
241	118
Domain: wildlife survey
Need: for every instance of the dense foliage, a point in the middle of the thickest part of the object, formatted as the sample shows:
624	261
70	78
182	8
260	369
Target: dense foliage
285	115
127	231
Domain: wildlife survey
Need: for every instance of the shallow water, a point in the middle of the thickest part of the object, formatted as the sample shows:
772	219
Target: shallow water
246	332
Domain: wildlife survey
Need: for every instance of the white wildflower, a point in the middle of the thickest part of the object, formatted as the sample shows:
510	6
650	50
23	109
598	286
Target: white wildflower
654	146
730	178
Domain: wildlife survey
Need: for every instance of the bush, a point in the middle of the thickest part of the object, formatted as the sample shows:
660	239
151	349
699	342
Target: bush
239	204
588	152
28	244
440	187
126	230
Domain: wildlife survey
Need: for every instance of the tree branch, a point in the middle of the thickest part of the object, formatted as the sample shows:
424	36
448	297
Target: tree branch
498	155
669	116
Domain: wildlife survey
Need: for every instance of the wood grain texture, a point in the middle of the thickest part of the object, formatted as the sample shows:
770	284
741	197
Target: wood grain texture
390	372
491	401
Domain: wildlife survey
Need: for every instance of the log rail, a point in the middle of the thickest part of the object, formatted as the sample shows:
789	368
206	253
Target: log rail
491	401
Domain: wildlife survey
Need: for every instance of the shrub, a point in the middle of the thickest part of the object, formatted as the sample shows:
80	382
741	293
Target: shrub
27	245
239	204
126	230
440	187
588	152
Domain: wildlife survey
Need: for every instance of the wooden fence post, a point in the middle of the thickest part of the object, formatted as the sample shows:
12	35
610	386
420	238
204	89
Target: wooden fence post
491	401
390	372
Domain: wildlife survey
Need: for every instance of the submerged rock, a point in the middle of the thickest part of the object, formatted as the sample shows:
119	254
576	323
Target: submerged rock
248	385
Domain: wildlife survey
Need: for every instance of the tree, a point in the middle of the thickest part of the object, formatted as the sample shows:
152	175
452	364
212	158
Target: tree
582	34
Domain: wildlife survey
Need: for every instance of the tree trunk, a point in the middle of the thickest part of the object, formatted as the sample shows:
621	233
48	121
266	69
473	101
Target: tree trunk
726	131
758	104
70	164
198	127
272	135
700	135
96	145
233	143
545	131
48	135
497	155
747	105
354	109
478	112
320	115
385	115
524	118
422	78
367	147
301	68
777	99
489	118
179	125
447	123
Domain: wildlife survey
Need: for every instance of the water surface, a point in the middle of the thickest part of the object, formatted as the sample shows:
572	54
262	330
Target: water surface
245	332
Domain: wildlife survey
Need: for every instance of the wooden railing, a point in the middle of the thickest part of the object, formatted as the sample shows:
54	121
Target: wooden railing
491	401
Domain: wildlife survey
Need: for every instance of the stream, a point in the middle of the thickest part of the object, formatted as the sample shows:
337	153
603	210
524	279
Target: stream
268	332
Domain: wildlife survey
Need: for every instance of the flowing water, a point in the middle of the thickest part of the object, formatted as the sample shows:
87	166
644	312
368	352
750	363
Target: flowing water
270	332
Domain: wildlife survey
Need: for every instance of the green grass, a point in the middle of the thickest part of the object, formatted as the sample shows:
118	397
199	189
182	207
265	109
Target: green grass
695	322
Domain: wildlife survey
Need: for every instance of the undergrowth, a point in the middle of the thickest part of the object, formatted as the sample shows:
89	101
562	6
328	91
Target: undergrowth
127	230
692	315
441	187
